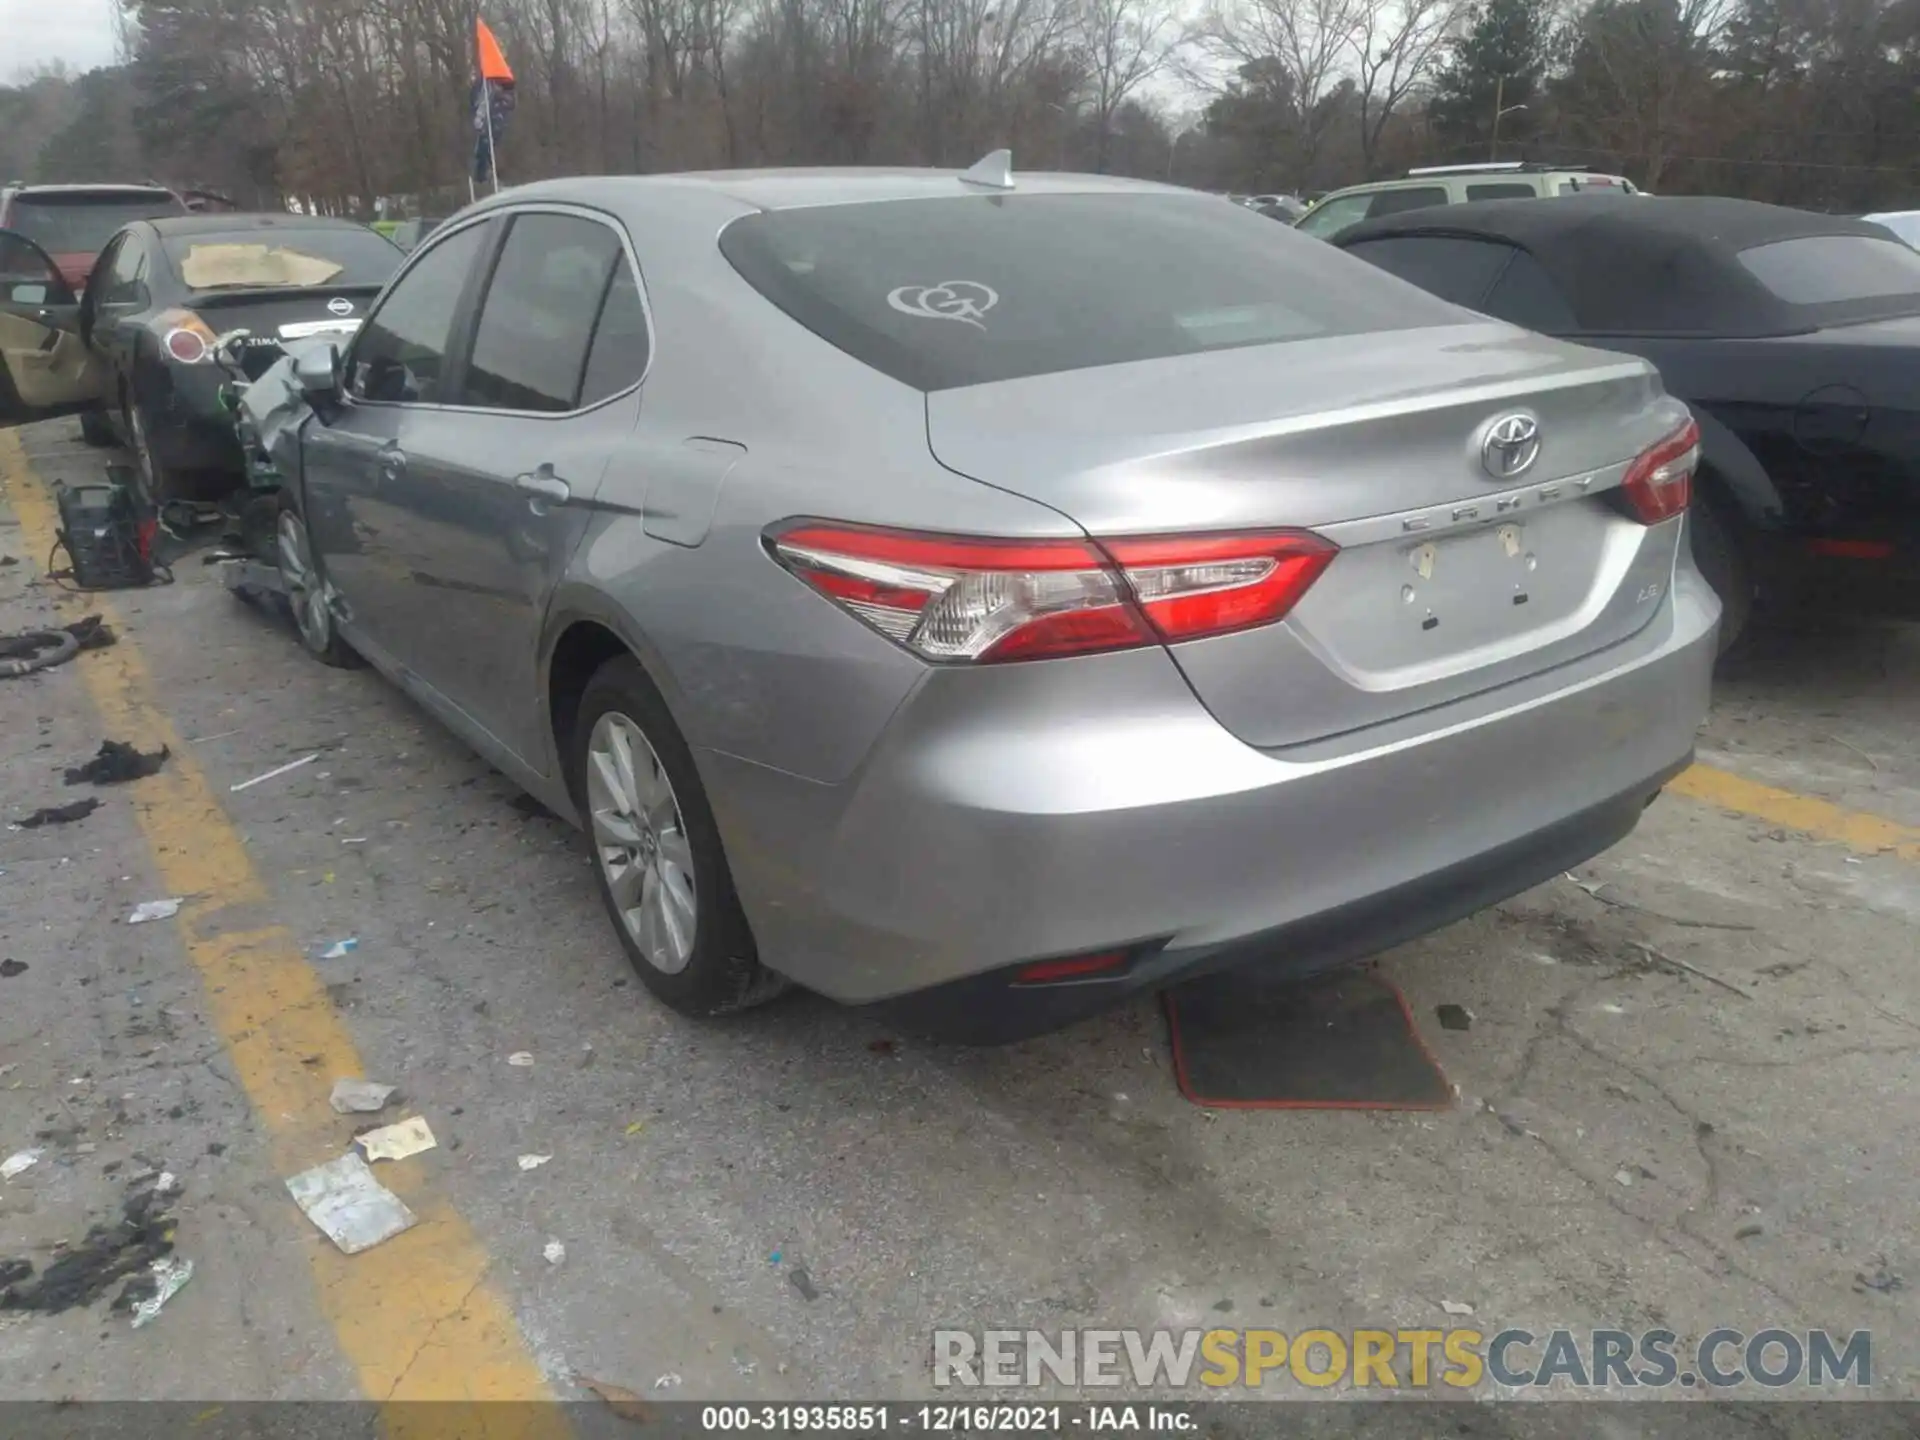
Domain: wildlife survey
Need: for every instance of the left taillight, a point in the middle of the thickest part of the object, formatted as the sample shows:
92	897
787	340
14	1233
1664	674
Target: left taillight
1659	483
965	599
185	336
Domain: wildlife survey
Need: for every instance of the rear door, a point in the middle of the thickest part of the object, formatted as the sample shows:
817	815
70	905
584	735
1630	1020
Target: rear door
45	369
493	487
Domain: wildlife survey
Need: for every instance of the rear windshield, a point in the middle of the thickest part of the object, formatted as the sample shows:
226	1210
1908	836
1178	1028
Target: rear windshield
1835	269
81	223
250	259
965	291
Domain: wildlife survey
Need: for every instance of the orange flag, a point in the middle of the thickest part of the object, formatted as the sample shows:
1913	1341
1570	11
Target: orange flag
493	65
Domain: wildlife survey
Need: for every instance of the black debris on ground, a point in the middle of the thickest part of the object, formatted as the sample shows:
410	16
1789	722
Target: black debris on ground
803	1282
91	633
60	814
6	561
11	967
122	1251
116	763
530	808
1454	1017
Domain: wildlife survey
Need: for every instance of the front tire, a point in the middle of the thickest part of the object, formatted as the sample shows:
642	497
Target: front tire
309	596
1722	559
657	854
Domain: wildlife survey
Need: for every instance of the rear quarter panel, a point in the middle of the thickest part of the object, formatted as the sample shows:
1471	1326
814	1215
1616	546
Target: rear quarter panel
1831	421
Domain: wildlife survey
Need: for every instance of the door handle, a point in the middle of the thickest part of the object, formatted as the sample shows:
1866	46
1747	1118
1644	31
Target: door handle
543	484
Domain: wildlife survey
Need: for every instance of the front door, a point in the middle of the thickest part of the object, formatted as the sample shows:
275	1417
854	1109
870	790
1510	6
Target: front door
354	461
45	370
495	490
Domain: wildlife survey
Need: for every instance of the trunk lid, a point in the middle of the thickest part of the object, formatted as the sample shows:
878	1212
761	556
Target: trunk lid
286	314
1450	579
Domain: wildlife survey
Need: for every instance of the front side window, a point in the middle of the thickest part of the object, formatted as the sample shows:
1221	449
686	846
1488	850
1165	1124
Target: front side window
969	290
1327	220
400	354
536	324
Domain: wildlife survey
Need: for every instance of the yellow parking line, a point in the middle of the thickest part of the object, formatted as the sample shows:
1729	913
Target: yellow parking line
416	1318
1855	829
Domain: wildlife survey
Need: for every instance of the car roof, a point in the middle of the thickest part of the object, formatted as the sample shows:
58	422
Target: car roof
1642	264
230	221
786	189
131	192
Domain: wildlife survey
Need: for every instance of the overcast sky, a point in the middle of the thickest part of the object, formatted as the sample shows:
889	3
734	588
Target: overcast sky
38	32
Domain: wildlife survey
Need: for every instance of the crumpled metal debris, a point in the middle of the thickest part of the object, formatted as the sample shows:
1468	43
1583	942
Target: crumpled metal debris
359	1097
170	1275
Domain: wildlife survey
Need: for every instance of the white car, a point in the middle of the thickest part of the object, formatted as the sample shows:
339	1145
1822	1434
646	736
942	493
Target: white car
1904	223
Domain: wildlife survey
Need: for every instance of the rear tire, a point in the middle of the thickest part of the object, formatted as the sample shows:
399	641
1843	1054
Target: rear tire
1722	558
662	871
97	430
309	595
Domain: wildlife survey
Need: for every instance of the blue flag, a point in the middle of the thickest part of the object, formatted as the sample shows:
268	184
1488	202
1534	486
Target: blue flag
490	99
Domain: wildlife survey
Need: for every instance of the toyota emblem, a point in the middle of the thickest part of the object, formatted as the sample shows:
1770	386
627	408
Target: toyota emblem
1511	446
340	305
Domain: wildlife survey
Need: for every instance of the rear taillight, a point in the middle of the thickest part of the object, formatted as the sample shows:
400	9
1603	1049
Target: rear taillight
1659	483
961	599
185	336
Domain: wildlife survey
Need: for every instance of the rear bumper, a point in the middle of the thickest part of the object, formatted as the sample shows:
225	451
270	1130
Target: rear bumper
188	427
1061	809
994	1008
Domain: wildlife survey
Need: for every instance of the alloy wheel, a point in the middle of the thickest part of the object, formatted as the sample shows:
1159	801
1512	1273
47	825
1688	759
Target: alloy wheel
306	592
640	841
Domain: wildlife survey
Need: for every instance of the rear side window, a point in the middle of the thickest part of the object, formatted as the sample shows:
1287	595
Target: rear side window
81	223
1525	295
1833	269
530	349
620	340
1506	190
1393	202
974	289
400	354
1457	270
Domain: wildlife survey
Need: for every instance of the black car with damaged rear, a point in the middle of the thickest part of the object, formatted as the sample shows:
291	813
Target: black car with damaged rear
1794	338
163	294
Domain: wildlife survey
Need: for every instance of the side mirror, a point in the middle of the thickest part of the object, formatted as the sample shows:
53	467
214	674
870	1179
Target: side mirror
316	370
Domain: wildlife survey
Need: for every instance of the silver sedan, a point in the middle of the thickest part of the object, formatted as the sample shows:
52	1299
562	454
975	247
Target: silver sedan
988	596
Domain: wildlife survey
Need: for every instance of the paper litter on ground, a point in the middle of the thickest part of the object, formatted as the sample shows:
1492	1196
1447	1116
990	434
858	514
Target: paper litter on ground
19	1161
533	1162
155	910
396	1141
354	1210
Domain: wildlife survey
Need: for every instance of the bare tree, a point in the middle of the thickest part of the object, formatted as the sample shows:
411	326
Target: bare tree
1304	41
1395	45
1123	44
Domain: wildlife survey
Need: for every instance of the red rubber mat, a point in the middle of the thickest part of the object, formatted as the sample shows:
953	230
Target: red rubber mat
1341	1041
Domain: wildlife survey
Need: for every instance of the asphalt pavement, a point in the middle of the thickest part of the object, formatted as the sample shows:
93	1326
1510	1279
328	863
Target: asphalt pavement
1686	1098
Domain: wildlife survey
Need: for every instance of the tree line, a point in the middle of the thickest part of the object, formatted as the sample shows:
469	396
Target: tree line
334	103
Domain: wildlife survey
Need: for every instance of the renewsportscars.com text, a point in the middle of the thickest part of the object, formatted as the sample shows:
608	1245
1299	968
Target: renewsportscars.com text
1450	1360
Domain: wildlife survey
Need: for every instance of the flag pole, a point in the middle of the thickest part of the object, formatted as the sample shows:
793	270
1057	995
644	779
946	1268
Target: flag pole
493	155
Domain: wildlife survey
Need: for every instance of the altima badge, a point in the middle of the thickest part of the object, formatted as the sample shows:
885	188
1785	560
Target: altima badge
340	305
1511	446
